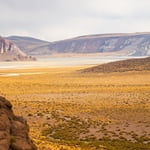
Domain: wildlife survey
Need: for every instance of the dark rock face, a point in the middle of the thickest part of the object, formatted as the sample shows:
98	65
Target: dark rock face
13	129
10	52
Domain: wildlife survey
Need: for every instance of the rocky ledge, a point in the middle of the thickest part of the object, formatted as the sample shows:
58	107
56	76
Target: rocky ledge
11	52
14	130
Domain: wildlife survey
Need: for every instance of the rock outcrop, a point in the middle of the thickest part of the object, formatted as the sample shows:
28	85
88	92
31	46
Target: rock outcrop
13	129
11	52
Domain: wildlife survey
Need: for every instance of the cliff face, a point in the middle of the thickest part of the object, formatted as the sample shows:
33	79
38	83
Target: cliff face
13	129
9	51
126	44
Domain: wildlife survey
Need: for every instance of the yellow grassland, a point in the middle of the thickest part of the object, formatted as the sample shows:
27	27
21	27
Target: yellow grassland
116	105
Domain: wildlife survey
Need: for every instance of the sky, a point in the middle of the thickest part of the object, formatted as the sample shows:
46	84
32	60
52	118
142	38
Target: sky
54	20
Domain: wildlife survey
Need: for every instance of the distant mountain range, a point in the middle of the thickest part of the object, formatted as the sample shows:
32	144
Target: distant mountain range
141	64
125	44
11	52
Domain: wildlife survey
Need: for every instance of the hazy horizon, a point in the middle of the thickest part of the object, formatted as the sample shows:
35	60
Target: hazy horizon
54	20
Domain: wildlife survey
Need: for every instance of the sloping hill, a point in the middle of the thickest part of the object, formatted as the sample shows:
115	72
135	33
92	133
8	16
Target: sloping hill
28	44
133	44
121	66
11	52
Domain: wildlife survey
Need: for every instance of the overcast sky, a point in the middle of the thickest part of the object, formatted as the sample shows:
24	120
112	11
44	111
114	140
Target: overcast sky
60	19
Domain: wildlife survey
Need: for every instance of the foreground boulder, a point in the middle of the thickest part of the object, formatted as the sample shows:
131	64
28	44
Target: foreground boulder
13	129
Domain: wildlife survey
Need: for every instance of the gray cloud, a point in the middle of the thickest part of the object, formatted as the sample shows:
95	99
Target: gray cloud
58	19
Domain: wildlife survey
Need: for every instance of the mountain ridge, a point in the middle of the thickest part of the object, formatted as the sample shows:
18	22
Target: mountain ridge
126	44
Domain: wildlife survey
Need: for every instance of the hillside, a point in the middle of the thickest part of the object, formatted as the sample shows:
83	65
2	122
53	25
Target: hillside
133	44
29	45
121	66
11	52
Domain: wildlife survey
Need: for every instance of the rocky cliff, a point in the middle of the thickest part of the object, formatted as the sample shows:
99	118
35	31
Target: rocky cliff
11	52
13	129
127	44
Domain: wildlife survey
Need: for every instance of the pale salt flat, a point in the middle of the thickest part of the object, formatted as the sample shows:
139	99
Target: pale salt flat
18	74
51	62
